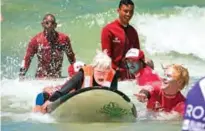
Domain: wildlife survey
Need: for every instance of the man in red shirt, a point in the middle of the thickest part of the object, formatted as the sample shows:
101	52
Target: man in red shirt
144	74
118	37
49	46
167	97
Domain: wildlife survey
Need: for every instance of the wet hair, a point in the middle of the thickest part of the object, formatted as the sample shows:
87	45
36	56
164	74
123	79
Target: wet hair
182	74
101	60
126	2
51	15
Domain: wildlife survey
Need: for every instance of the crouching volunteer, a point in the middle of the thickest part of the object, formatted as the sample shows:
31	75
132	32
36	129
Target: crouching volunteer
136	65
168	96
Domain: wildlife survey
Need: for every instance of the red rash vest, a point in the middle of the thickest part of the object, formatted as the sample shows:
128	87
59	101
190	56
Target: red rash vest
117	40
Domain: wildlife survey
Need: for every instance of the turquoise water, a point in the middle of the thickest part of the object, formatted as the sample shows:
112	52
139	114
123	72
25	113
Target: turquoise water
170	31
83	20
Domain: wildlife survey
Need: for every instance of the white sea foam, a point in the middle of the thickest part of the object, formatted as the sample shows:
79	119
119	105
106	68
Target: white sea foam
182	32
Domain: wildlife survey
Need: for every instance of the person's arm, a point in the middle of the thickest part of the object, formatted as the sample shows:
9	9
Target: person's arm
30	52
114	84
148	95
106	40
143	96
69	51
74	83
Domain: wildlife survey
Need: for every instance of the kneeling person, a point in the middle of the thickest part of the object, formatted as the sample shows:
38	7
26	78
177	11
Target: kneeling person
136	65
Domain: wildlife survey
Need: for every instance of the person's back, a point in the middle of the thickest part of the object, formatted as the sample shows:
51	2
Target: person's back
147	76
194	117
49	47
144	75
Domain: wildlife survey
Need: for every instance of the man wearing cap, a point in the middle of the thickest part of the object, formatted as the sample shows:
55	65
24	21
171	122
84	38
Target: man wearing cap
135	62
194	117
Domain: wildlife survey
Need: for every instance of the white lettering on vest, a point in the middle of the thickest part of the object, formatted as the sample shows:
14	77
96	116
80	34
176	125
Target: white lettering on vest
196	112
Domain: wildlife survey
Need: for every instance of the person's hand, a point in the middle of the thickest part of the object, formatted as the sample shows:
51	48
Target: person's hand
45	105
141	97
22	73
38	108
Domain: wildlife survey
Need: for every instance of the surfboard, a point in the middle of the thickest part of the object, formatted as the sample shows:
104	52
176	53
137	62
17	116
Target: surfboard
93	104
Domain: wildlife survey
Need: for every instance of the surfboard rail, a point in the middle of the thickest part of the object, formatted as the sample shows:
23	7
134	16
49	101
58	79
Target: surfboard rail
98	103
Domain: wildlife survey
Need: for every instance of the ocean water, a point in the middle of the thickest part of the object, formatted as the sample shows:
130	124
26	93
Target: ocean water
170	31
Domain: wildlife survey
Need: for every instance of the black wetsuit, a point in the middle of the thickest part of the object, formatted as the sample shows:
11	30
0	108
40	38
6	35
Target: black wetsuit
76	83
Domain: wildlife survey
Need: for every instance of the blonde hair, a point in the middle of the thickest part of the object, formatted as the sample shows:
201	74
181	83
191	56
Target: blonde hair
101	60
182	74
